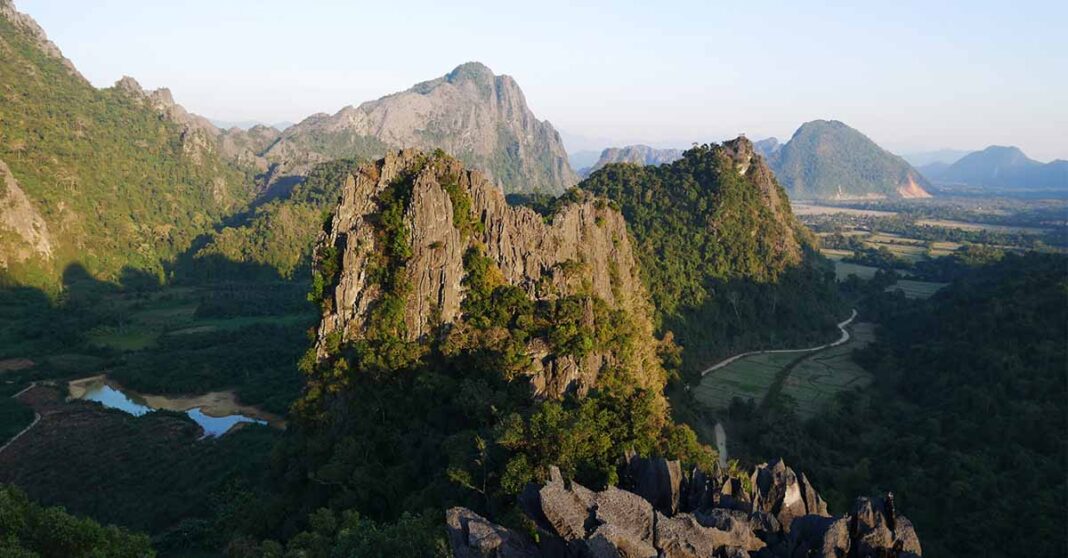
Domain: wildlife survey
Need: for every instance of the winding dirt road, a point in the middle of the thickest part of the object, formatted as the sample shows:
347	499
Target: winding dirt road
36	418
842	339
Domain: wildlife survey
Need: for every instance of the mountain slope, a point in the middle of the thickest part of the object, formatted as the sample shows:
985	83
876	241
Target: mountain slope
481	118
728	266
1003	167
101	177
637	154
825	159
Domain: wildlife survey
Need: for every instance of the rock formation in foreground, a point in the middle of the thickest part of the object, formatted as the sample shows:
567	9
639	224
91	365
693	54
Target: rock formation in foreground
775	513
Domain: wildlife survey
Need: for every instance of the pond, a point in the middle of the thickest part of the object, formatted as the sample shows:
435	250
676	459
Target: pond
213	418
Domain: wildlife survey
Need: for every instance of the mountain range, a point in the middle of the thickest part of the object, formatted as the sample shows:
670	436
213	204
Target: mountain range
1001	168
636	154
122	177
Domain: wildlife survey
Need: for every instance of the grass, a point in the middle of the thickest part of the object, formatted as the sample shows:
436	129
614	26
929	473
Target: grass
844	269
916	289
816	380
813	381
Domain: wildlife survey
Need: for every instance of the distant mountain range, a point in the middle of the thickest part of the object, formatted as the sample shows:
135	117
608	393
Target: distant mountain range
924	158
826	159
999	167
638	154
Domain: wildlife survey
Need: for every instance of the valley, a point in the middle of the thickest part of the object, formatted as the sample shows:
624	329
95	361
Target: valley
408	327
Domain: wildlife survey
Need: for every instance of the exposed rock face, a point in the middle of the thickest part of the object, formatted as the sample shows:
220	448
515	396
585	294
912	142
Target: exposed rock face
19	216
481	118
585	248
637	154
574	521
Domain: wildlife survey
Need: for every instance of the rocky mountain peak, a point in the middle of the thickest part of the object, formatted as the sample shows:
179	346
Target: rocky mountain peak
583	248
29	26
480	117
471	71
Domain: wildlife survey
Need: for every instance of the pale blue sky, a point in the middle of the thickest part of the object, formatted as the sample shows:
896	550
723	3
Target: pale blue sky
912	75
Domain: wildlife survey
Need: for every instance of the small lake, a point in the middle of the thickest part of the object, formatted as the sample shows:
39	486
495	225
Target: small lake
115	397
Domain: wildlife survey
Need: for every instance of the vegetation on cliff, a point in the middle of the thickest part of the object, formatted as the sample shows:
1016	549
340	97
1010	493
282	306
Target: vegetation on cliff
728	267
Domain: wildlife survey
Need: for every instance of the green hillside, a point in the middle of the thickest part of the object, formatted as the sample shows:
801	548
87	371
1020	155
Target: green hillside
107	181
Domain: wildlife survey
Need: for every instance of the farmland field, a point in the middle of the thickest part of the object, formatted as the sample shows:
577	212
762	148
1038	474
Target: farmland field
814	380
817	379
916	289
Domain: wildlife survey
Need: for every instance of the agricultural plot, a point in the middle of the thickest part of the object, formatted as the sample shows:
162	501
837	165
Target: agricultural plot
916	289
745	378
844	269
815	381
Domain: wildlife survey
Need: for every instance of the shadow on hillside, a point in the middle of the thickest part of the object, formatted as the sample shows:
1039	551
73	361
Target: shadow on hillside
799	310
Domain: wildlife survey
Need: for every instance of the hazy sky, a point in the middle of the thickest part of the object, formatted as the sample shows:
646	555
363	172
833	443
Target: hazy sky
911	75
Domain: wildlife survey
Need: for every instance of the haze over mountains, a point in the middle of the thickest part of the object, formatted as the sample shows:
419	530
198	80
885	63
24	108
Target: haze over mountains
1002	168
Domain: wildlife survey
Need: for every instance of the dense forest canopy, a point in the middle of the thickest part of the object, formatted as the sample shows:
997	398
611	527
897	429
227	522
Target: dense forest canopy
966	420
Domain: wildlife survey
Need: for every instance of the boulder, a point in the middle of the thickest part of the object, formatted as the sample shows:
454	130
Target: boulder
626	511
659	481
610	541
473	536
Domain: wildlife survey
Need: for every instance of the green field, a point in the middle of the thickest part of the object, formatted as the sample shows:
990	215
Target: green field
817	379
812	382
916	289
844	269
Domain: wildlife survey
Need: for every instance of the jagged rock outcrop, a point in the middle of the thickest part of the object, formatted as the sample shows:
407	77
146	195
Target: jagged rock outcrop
637	154
27	25
19	217
481	118
584	247
782	517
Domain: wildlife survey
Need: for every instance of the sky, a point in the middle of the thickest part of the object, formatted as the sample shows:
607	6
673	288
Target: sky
913	76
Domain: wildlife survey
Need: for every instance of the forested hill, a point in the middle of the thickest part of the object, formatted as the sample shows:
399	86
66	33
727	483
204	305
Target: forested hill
728	266
459	359
826	159
92	176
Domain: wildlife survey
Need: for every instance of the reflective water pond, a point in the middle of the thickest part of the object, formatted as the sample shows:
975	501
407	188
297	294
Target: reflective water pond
113	396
